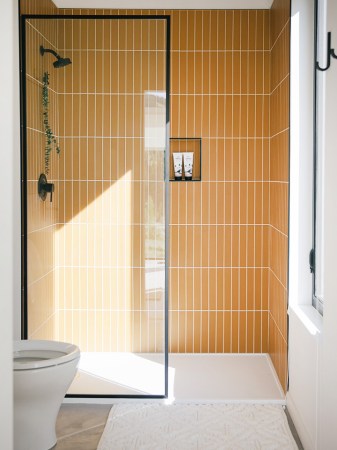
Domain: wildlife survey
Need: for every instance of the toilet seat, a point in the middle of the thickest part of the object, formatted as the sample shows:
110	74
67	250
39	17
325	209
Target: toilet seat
28	355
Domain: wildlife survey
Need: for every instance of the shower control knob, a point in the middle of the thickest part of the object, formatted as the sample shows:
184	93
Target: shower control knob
44	188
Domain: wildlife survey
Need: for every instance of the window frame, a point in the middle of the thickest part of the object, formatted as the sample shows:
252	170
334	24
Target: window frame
316	257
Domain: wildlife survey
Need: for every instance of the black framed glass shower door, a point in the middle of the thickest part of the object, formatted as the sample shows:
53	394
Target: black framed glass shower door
95	247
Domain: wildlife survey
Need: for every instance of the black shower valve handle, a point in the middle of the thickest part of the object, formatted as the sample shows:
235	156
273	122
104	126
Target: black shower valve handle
49	188
44	188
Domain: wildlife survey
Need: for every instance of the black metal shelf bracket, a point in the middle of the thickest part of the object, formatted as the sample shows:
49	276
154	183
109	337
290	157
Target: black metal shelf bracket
330	53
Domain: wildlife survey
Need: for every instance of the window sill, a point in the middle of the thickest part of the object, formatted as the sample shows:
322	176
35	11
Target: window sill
309	317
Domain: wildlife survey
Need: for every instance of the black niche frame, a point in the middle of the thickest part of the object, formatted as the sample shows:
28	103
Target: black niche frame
23	170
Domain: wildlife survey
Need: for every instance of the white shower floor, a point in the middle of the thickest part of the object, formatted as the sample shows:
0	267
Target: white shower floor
192	377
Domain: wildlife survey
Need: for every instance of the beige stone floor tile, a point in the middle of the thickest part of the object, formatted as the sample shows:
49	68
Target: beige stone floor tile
80	426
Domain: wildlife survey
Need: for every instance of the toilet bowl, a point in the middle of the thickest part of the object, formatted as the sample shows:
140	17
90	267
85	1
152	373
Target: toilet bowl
43	372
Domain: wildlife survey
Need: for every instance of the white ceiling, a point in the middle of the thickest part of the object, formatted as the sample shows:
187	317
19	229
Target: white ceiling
165	4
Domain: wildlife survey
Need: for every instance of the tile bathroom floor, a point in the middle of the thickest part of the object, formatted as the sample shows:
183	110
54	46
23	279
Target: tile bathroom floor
80	426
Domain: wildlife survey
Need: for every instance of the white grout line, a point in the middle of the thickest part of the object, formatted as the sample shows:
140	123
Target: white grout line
247	202
232	209
239	185
31	335
144	180
278	230
89	266
185	94
254	239
163	51
210	138
280	83
38	32
171	310
279	35
276	325
285	288
32	78
45	275
263	205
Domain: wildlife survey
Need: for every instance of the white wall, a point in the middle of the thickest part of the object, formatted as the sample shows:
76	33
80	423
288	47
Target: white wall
312	396
9	207
328	395
303	335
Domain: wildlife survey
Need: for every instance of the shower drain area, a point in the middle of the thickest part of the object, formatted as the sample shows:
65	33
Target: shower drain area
191	377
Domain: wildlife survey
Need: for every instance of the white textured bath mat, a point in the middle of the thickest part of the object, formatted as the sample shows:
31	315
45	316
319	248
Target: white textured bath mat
182	426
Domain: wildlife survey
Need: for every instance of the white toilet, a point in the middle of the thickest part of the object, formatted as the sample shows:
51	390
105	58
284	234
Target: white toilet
43	372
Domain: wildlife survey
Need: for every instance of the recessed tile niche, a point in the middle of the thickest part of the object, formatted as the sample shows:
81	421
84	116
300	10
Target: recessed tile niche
186	145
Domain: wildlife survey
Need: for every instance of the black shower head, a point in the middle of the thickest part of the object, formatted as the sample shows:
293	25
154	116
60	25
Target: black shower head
60	62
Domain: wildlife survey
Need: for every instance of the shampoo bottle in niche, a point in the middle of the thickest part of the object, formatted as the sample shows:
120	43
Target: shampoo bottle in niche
178	165
188	165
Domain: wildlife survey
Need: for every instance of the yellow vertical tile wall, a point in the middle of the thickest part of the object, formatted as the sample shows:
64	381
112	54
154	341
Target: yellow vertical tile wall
38	7
111	202
42	216
219	227
279	185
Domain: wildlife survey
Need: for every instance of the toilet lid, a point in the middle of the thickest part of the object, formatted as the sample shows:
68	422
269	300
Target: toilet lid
29	355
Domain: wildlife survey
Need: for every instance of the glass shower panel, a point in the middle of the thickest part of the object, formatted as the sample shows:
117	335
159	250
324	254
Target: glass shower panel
107	226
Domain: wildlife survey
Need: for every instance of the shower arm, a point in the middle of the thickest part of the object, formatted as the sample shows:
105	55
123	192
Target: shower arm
48	50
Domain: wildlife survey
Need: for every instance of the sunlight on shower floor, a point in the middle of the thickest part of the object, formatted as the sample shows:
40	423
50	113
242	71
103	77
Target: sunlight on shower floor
192	377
